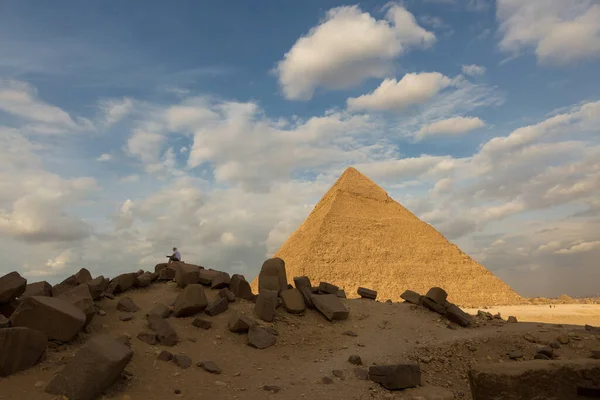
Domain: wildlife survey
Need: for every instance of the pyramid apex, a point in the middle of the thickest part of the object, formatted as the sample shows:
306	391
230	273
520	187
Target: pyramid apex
353	181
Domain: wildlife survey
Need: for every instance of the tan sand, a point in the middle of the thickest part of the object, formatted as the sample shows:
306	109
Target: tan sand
574	314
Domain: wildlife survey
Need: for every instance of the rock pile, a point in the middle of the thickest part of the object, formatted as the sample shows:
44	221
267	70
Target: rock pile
436	300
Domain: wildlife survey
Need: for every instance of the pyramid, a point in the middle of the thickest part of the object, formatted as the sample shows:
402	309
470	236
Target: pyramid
359	236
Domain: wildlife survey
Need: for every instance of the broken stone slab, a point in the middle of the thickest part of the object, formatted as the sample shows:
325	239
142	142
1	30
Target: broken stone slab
93	369
272	275
159	309
147	337
160	267
186	274
220	281
330	306
396	377
97	286
240	287
341	294
190	301
438	295
303	285
202	323
143	280
266	303
548	380
367	293
65	285
42	288
122	283
166	274
292	301
126	304
165	333
12	285
328	288
412	297
209	366
259	338
206	276
83	276
240	323
227	294
433	306
219	306
57	318
81	298
458	316
22	348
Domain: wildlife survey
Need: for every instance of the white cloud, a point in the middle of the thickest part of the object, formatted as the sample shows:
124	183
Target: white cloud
413	88
561	31
580	248
473	70
348	46
451	126
104	157
117	109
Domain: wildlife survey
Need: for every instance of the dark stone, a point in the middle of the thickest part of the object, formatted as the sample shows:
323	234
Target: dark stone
367	293
191	301
159	309
165	333
355	359
266	303
42	288
292	301
83	276
97	286
361	373
143	280
183	361
240	287
220	281
210	366
438	295
12	285
458	316
81	298
22	348
126	304
126	317
341	294
206	276
259	338
202	323
186	274
147	337
160	267
165	356
122	283
328	288
330	306
219	306
166	274
67	284
272	275
412	297
240	323
396	377
227	294
433	306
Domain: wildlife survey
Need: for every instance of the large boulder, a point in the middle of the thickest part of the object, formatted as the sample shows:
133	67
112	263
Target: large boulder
186	274
330	306
190	301
81	298
265	306
165	333
42	288
22	348
68	284
160	267
122	283
272	275
292	301
93	369
12	285
98	286
240	287
57	318
143	280
83	276
206	276
535	379
303	285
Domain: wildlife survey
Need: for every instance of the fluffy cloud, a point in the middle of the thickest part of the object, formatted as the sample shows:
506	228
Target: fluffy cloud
117	109
348	46
413	88
473	70
104	157
560	31
450	126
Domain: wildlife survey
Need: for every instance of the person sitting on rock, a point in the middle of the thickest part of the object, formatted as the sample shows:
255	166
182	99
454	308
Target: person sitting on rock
176	256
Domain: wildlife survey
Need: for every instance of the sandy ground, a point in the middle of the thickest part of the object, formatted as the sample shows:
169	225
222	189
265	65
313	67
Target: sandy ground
308	348
575	314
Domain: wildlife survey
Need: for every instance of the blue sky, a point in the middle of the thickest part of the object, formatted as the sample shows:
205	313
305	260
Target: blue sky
129	127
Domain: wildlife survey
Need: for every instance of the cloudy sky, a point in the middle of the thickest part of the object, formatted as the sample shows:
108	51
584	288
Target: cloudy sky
127	128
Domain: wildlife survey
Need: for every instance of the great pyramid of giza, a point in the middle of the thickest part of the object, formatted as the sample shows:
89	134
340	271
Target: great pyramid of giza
359	236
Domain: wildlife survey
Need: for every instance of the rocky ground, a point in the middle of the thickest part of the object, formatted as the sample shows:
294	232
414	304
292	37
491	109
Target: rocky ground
312	358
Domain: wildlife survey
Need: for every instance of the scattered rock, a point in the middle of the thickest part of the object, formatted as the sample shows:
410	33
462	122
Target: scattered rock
227	294
438	295
266	303
240	323
57	318
166	274
458	316
125	304
259	338
355	359
206	276
219	306
165	356
303	285
595	354
330	306
341	294
201	323
122	283
272	330
159	309
361	373
328	288
191	301
220	281
182	361
271	388
563	339
65	285
512	320
83	276
12	285
126	317
79	381
22	348
97	286
125	339
147	337
160	267
292	301
186	274
515	354
412	297
165	333
272	276
530	338
240	287
327	380
81	298
396	377
210	366
367	293
42	288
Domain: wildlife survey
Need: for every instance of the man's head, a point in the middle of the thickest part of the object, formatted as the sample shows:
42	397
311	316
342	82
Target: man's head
174	248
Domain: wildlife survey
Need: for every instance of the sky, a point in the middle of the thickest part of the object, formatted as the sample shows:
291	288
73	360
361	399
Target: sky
127	128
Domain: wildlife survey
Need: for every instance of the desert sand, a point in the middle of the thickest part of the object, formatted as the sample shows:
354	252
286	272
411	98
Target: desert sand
570	314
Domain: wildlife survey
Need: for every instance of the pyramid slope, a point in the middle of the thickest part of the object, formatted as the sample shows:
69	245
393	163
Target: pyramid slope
358	236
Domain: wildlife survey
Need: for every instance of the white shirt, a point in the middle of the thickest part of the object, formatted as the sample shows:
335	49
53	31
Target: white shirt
177	254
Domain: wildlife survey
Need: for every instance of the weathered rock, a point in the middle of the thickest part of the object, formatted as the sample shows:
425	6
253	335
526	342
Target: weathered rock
361	373
186	274
165	356
219	306
266	303
259	338
458	316
93	369
546	350
548	380
42	288
22	348
512	319
81	298
126	304
206	276
147	337
67	284
209	366
57	318
227	294
220	281
367	293
122	283
240	287
330	306
272	275
355	359
427	393
160	267
165	333
341	294
7	309
182	361
159	309
303	285
166	274
515	354
191	301
328	288
12	285
83	276
396	377
97	286
438	295
433	306
412	297
292	301
143	280
4	322
202	323
240	323
126	317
